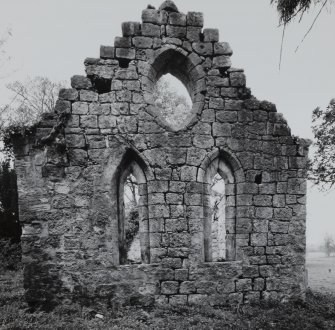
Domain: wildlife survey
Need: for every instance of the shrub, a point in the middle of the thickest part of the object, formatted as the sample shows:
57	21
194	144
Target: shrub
10	255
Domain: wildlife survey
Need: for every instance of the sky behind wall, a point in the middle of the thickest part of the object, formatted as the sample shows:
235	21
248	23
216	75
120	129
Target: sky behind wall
53	37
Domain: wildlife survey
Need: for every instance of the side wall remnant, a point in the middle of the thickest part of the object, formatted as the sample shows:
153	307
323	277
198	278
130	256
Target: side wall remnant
71	172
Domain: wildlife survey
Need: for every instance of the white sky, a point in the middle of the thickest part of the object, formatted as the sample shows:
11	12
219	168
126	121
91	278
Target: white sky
53	37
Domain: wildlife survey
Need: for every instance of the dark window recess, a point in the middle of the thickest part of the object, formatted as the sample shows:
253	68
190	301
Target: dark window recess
123	63
258	178
101	85
224	72
201	37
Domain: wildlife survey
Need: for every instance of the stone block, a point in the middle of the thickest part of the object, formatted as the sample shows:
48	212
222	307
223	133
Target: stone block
157	211
172	263
264	212
237	79
107	52
63	107
205	287
259	284
203	48
195	19
99	109
208	115
259	239
69	94
195	156
150	30
130	29
76	140
169	287
127	53
223	62
122	42
177	19
173	198
222	48
89	121
80	82
143	42
188	173
222	129
262	200
88	96
176	31
178	300
180	252
216	103
181	275
250	271
283	213
193	34
203	141
260	225
106	121
217	81
154	16
187	287
211	35
158	186
180	239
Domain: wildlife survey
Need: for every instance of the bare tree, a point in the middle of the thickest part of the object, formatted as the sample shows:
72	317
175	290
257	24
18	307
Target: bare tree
290	9
329	245
29	100
322	166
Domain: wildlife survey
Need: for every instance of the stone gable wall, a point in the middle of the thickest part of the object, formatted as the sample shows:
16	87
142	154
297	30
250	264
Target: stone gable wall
71	168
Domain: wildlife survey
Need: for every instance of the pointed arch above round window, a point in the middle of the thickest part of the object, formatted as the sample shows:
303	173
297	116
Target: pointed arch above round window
188	70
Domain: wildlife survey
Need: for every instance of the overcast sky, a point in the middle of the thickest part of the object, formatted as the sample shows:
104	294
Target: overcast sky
53	37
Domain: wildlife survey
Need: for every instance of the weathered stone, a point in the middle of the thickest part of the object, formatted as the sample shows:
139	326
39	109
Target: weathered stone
223	62
170	287
211	35
127	53
168	5
237	79
222	48
154	16
203	48
63	107
73	177
81	82
177	19
130	29
150	30
70	94
195	19
176	31
142	42
88	96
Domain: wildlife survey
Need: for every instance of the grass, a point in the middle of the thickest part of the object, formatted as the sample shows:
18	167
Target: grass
317	312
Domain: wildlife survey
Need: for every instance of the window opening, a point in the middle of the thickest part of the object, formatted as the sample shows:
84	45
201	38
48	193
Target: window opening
172	100
131	220
218	218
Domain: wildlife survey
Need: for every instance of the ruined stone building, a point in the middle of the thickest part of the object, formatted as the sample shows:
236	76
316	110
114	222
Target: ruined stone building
72	169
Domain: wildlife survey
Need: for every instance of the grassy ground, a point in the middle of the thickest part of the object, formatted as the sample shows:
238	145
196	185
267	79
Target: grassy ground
318	312
321	272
